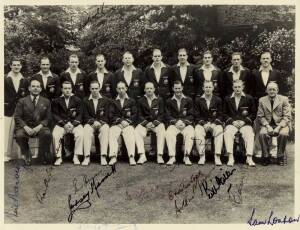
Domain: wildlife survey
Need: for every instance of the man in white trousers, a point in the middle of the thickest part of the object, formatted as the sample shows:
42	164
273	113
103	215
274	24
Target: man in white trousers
151	116
239	113
123	112
179	116
96	119
67	114
208	118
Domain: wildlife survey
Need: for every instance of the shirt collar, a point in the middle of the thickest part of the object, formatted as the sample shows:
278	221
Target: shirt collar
37	97
77	71
243	95
203	96
162	65
69	97
211	67
105	71
99	96
187	64
154	97
48	75
182	96
118	97
10	74
269	68
232	71
132	68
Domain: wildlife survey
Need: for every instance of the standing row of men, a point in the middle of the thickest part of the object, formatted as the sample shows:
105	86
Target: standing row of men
184	80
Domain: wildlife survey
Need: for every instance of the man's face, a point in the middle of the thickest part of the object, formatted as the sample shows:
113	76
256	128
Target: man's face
121	89
73	63
182	57
66	90
45	65
265	60
35	88
208	88
236	60
100	62
238	88
207	59
177	89
127	59
272	90
95	89
156	57
16	66
149	89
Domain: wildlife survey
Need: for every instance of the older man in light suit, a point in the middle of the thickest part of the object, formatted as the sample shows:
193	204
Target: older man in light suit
274	114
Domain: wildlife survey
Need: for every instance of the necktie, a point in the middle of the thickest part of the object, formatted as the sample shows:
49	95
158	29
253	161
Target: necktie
34	100
272	103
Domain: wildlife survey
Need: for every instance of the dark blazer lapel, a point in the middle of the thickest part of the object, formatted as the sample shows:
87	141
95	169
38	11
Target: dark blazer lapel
260	80
30	103
212	102
230	76
177	71
232	100
243	75
11	85
152	75
271	77
91	104
214	75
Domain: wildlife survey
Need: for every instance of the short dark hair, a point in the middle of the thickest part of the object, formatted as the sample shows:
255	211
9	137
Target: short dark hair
45	58
66	83
177	82
15	58
34	79
73	56
149	82
236	53
95	82
121	82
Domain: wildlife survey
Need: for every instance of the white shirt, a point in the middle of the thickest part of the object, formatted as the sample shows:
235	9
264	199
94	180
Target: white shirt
149	100
15	79
237	99
183	70
45	77
207	100
265	72
100	76
178	100
95	100
157	70
37	98
236	75
207	72
122	99
73	75
128	74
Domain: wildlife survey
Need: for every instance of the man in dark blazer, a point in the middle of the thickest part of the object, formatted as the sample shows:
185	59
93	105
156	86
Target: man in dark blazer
133	77
208	72
239	113
150	117
95	119
208	118
15	87
236	72
104	77
265	74
76	76
160	75
184	72
123	115
32	116
179	118
67	113
50	82
274	114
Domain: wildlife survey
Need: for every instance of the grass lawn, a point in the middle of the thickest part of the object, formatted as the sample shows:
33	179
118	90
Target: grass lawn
140	194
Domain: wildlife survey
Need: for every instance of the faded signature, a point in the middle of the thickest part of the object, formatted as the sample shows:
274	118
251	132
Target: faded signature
41	195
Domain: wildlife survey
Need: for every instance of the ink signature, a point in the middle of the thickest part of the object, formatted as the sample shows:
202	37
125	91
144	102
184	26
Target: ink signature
41	196
84	202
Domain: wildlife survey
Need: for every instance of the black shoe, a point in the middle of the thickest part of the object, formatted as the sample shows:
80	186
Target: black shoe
28	160
265	161
280	161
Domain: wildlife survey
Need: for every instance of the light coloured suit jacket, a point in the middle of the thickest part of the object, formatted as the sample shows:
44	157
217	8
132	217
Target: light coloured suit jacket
281	112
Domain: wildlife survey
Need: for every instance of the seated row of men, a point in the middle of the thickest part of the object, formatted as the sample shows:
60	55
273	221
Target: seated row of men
178	114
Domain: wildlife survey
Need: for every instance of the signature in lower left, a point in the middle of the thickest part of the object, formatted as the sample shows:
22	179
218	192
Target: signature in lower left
85	202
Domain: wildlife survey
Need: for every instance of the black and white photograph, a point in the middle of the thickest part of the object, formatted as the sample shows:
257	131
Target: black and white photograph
149	113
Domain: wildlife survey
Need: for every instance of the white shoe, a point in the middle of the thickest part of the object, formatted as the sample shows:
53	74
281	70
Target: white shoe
201	160
6	158
250	162
112	161
171	161
187	161
218	160
86	161
230	160
160	160
132	161
103	160
142	159
58	161
76	160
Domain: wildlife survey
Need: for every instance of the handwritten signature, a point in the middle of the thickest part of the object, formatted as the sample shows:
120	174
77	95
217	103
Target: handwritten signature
41	196
84	202
271	220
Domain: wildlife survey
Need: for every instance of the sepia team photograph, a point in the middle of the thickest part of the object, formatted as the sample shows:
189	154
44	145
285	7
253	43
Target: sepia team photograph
130	113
